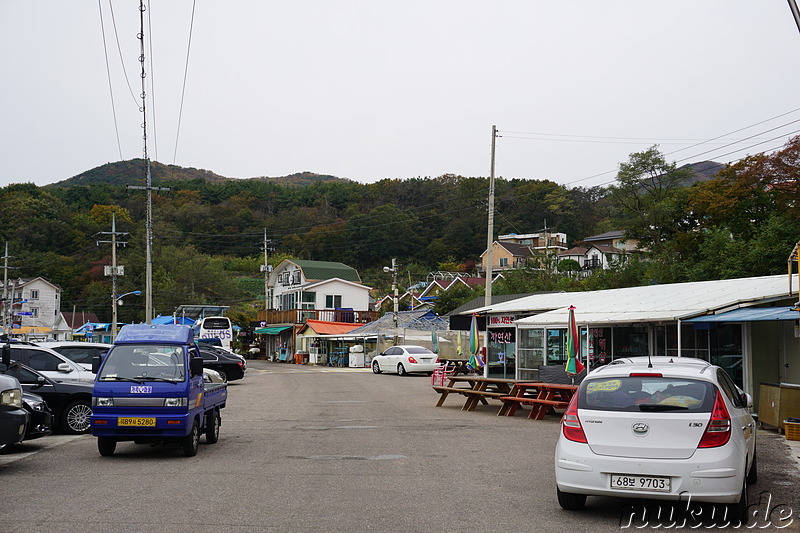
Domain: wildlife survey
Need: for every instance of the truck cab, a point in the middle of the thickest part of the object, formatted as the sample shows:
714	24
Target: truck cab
150	388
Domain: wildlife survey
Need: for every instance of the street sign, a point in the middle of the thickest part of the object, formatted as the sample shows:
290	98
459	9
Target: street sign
24	313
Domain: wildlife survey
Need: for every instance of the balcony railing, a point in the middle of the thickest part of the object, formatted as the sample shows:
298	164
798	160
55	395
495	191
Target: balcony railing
299	316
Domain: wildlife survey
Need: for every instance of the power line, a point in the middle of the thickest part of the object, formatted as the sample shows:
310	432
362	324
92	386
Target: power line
185	76
108	74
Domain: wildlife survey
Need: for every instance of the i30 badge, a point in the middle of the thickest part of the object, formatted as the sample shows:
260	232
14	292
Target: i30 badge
640	429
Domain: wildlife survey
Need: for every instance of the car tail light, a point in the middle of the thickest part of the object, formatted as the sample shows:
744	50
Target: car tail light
571	424
718	431
241	364
411	359
645	375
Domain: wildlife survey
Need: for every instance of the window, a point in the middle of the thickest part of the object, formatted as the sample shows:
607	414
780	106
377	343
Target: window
35	312
36	359
309	300
503	262
333	301
34	294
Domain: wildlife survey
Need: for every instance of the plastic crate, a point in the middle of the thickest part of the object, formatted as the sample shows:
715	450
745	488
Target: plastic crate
792	430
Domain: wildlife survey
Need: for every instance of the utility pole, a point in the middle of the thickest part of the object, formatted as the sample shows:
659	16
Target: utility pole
148	312
6	304
393	270
114	270
795	13
489	240
267	270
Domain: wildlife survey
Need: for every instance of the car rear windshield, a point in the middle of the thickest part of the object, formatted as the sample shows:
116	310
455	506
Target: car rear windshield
411	349
649	394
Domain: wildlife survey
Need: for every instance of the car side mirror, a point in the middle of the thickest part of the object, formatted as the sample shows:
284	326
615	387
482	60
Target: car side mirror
40	382
64	367
196	366
747	400
95	364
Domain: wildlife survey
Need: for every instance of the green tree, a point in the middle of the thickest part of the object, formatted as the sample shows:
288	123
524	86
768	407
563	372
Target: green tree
649	199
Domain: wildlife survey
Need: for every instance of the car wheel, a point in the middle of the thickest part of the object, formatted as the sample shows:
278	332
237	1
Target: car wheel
570	501
223	375
76	417
106	446
401	370
752	475
191	441
738	511
376	368
212	427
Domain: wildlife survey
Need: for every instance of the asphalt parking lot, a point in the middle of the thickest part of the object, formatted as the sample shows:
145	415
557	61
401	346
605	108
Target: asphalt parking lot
314	449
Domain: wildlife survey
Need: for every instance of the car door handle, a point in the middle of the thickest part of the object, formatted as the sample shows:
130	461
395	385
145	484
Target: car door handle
744	428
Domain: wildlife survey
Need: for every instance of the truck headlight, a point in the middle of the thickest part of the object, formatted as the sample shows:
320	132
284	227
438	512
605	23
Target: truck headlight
12	397
102	402
175	402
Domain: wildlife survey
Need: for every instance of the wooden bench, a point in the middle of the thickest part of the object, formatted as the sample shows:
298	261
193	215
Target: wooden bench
470	393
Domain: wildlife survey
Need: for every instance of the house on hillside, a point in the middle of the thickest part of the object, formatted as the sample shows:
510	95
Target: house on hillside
594	257
33	309
614	239
302	290
514	251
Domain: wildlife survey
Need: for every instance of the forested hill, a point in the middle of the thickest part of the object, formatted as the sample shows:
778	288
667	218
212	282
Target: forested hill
209	231
134	172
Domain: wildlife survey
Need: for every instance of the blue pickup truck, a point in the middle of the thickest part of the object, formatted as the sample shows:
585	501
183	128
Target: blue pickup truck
150	388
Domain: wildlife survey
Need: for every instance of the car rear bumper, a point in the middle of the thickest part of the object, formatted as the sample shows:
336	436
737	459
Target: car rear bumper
715	475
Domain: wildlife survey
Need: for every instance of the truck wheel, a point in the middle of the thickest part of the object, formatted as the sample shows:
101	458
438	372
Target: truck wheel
212	427
191	441
76	417
106	446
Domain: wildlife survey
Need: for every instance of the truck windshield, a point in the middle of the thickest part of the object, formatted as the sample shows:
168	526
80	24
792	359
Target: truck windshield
144	363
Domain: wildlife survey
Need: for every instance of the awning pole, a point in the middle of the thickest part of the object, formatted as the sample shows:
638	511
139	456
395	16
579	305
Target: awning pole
680	350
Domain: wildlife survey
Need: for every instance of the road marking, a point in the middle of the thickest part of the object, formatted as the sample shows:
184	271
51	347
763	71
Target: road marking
45	443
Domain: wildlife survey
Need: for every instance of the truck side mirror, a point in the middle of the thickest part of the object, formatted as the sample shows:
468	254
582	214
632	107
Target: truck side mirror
95	364
6	357
196	366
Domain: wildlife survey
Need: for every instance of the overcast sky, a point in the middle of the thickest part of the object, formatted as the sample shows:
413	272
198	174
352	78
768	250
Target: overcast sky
375	89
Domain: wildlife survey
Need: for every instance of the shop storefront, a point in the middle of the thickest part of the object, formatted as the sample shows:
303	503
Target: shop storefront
502	346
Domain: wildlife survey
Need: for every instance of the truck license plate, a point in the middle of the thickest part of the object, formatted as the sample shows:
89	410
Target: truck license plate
131	421
651	483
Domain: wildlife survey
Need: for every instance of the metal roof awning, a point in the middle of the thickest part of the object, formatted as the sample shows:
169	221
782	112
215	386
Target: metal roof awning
750	314
271	330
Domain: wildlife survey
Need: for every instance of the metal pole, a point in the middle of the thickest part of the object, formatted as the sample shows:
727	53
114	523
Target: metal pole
394	297
795	13
113	276
5	291
489	240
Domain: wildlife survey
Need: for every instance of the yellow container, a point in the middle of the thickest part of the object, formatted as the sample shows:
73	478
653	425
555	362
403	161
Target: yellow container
792	430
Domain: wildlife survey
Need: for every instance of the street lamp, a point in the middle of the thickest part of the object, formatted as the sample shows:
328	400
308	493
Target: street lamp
117	301
393	270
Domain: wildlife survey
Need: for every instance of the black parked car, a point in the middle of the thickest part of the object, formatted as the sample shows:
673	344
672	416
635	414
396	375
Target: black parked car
229	365
41	417
71	402
13	417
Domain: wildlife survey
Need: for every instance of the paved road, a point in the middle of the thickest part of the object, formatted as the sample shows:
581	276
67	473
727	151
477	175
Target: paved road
335	450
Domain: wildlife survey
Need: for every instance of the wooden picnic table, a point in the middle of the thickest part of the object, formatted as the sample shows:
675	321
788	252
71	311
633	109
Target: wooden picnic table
476	389
542	397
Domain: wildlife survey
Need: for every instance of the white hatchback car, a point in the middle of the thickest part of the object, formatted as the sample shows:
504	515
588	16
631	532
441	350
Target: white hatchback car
78	351
50	363
405	359
662	428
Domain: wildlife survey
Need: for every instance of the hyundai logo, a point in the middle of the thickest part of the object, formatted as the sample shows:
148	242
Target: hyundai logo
640	428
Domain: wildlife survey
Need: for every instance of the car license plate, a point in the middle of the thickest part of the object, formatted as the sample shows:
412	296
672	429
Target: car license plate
651	483
130	421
